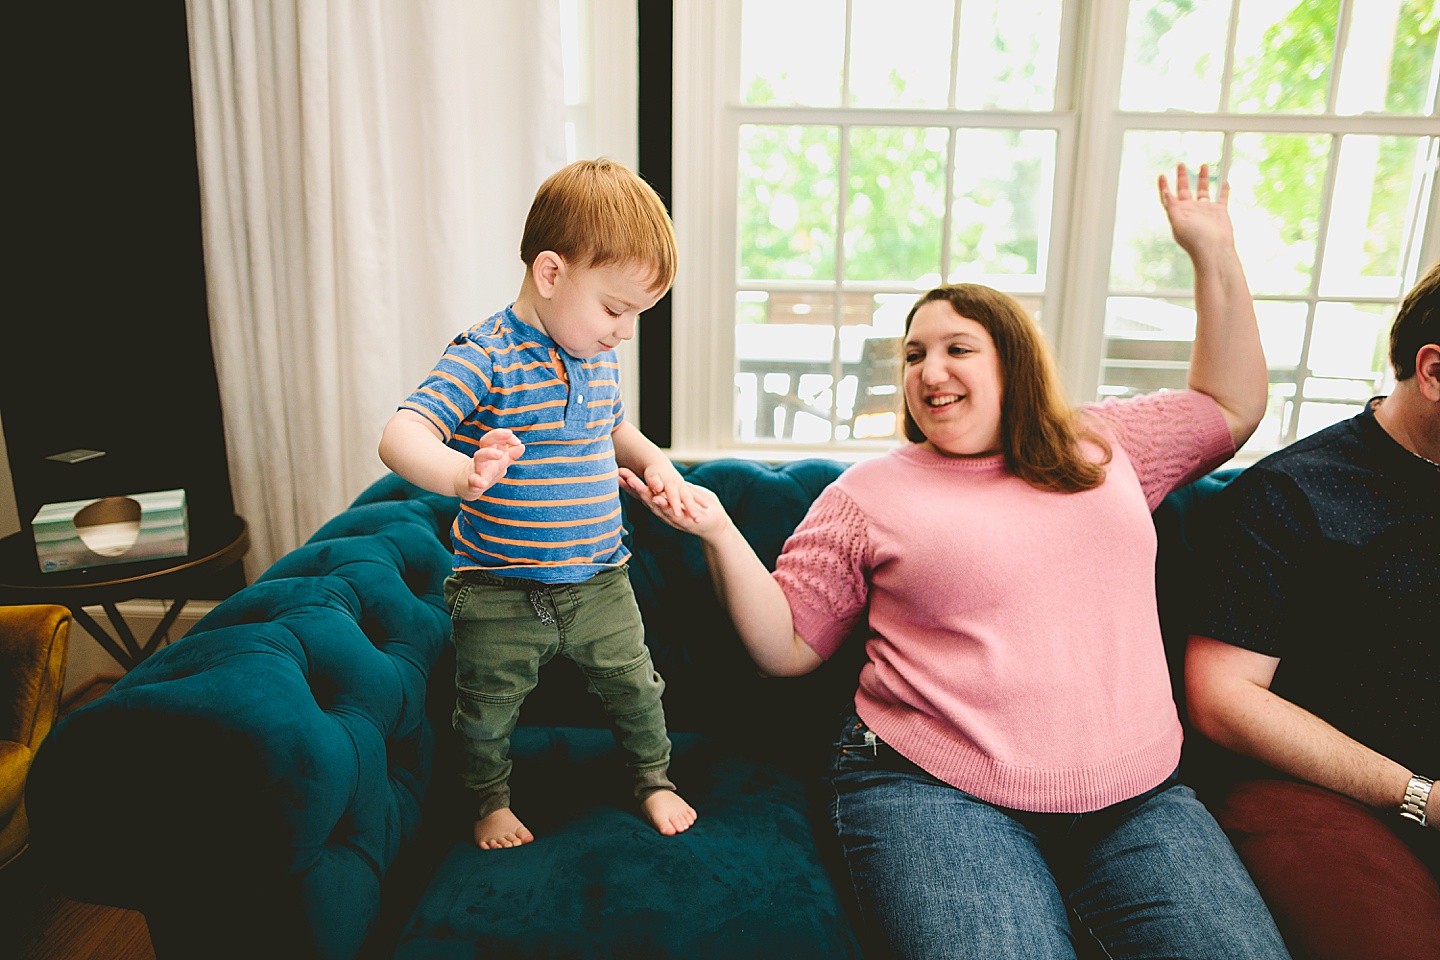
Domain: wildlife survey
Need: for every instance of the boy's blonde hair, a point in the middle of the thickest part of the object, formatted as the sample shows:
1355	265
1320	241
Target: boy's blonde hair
597	212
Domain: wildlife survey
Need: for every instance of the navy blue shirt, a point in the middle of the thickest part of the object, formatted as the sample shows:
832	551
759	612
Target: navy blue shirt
1327	555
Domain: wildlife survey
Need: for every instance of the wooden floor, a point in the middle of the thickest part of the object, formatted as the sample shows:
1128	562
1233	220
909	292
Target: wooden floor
42	925
37	923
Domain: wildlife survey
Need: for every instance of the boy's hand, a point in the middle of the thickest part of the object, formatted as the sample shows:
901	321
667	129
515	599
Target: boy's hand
701	515
670	491
498	449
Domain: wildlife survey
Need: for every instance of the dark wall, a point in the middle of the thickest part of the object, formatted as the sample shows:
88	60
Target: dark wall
656	42
108	344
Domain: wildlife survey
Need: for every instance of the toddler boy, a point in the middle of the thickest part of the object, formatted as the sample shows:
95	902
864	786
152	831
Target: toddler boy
521	418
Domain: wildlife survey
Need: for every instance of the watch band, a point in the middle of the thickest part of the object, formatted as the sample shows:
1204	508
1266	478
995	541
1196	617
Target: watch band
1417	795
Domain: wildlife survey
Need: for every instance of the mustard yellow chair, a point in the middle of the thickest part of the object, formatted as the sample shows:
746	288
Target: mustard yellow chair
34	641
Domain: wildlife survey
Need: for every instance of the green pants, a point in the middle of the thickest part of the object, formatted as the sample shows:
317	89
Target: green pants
506	629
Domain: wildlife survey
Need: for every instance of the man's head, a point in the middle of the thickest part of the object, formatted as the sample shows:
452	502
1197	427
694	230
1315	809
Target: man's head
599	213
1417	323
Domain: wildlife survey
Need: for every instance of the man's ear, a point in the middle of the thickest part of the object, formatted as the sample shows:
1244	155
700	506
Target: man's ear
547	267
1427	371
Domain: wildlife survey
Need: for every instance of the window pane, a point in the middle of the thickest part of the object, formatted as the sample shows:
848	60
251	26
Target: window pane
788	201
875	402
1174	55
1008	54
1277	185
1282	335
1145	255
896	212
785	357
880	74
776	67
784	344
1283	53
1318	416
1004	198
1269	436
1350	340
1147	345
1380	191
1389	54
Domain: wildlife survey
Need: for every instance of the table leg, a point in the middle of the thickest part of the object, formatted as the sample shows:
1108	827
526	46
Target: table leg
124	658
123	646
122	630
163	627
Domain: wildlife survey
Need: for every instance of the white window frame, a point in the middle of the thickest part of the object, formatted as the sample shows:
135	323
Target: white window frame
605	119
707	117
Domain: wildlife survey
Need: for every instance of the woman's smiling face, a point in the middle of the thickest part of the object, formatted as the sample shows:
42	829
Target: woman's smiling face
953	386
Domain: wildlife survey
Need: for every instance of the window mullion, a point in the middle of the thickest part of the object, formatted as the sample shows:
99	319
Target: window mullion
1302	369
1227	75
955	54
842	194
707	41
1342	38
1075	316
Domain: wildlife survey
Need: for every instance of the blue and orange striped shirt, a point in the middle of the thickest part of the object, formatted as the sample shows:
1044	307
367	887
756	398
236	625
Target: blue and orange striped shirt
555	514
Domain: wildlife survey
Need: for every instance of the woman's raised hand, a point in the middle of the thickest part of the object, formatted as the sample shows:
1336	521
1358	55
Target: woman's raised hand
1200	223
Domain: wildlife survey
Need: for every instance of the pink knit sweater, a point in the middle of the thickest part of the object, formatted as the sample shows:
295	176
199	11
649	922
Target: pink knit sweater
1014	648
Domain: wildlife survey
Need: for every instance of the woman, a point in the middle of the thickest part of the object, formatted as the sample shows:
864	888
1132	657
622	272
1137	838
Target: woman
1010	764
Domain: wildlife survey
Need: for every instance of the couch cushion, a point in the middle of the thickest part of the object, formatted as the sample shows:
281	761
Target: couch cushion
599	882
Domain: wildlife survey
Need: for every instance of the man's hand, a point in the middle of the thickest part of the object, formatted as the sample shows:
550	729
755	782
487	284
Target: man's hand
498	449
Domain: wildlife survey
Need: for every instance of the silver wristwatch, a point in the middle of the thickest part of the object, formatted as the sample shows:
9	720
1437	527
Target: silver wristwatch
1417	795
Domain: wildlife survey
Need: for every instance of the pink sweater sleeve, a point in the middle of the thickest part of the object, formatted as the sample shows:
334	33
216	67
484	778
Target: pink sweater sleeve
823	571
1171	437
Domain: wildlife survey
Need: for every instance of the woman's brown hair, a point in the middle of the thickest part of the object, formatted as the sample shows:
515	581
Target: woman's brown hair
1040	433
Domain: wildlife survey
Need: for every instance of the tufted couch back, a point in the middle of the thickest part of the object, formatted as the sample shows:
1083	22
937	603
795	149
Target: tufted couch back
262	775
265	785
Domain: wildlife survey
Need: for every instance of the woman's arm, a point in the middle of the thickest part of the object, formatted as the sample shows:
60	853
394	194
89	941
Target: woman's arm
1227	362
755	602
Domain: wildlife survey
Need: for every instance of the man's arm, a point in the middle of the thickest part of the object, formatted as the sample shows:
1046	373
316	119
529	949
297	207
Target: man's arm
1228	691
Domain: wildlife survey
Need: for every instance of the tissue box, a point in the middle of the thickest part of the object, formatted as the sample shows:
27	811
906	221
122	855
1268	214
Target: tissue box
87	533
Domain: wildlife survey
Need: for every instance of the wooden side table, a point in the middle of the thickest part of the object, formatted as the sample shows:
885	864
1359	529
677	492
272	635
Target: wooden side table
212	548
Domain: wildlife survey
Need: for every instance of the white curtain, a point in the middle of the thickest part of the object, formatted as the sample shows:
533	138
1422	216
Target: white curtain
365	170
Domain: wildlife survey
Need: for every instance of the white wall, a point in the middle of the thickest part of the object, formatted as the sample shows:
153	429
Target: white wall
9	515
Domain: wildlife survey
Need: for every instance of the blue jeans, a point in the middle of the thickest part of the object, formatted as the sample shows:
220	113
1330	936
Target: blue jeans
939	873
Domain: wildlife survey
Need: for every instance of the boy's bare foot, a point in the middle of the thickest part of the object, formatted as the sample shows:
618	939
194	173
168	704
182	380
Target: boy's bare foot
501	829
667	812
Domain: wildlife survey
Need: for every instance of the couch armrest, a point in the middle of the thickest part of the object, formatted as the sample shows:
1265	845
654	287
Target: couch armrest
249	786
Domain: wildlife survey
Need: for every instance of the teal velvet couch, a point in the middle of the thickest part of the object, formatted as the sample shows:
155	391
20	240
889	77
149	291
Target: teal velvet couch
282	781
